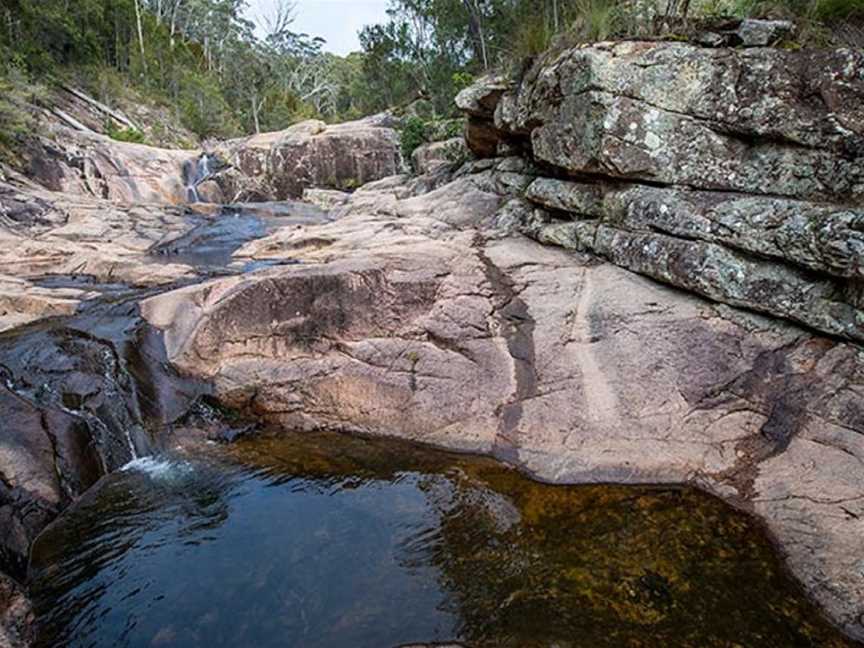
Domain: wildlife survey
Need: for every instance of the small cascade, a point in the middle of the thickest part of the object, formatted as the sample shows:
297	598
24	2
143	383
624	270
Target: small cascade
194	173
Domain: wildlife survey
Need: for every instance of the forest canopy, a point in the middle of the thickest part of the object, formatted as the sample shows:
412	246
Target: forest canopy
224	75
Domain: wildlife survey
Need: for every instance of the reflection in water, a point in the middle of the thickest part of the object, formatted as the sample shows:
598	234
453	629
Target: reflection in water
327	541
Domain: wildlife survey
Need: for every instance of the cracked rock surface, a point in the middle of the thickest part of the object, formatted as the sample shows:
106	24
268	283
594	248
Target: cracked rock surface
405	320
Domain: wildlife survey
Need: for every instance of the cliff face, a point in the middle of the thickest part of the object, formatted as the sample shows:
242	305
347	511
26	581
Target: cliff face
734	174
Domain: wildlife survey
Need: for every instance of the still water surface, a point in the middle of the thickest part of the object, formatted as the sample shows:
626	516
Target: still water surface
321	541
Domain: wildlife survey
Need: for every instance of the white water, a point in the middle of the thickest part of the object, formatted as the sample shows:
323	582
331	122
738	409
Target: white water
195	177
157	468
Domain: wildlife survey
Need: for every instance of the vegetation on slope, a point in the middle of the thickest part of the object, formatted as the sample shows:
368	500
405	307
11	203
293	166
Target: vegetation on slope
212	71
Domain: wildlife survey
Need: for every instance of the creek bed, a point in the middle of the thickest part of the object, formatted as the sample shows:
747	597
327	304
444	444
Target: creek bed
322	540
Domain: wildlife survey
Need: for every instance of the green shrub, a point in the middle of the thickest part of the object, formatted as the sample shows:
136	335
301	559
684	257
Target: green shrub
132	135
414	133
203	108
17	97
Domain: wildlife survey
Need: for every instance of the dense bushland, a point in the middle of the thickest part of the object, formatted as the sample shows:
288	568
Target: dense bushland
220	76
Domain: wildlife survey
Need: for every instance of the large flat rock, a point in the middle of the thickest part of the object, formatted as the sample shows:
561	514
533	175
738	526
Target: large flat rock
453	333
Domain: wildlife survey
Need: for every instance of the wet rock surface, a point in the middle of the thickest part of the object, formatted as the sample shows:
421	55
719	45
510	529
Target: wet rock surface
16	615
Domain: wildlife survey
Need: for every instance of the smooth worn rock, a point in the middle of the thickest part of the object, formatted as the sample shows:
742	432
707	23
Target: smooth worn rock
45	461
87	164
281	165
452	333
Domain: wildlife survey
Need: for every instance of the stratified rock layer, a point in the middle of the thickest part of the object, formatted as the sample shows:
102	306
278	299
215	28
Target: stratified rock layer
734	174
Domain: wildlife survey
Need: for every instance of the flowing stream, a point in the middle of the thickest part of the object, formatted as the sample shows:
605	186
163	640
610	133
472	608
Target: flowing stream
321	540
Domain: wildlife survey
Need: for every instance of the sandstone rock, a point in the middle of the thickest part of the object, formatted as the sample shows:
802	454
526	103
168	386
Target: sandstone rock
399	323
310	154
429	157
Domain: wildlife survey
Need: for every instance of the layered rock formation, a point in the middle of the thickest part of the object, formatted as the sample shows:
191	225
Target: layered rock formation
735	174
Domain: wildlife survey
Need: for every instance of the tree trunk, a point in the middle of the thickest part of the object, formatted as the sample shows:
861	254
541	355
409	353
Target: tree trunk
140	35
475	25
255	109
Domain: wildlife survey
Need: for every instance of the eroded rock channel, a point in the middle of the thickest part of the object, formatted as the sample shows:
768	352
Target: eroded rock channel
638	280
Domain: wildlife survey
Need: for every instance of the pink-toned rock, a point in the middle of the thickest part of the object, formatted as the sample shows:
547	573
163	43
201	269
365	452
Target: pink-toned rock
405	320
86	164
280	165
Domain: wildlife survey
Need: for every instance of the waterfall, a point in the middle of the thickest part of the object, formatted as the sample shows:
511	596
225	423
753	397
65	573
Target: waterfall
194	173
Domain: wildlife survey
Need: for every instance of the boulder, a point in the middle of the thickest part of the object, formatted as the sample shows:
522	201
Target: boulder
310	154
429	157
481	98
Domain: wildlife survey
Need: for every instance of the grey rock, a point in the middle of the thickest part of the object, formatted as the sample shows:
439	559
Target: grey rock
576	198
821	237
762	33
429	157
481	97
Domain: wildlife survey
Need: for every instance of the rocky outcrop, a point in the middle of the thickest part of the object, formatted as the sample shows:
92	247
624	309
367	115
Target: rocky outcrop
265	167
429	157
418	309
92	165
735	174
278	166
416	314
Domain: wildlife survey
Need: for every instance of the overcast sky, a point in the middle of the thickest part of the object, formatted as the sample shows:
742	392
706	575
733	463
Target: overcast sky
337	21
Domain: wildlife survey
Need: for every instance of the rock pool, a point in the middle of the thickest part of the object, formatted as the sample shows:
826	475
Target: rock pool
323	540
